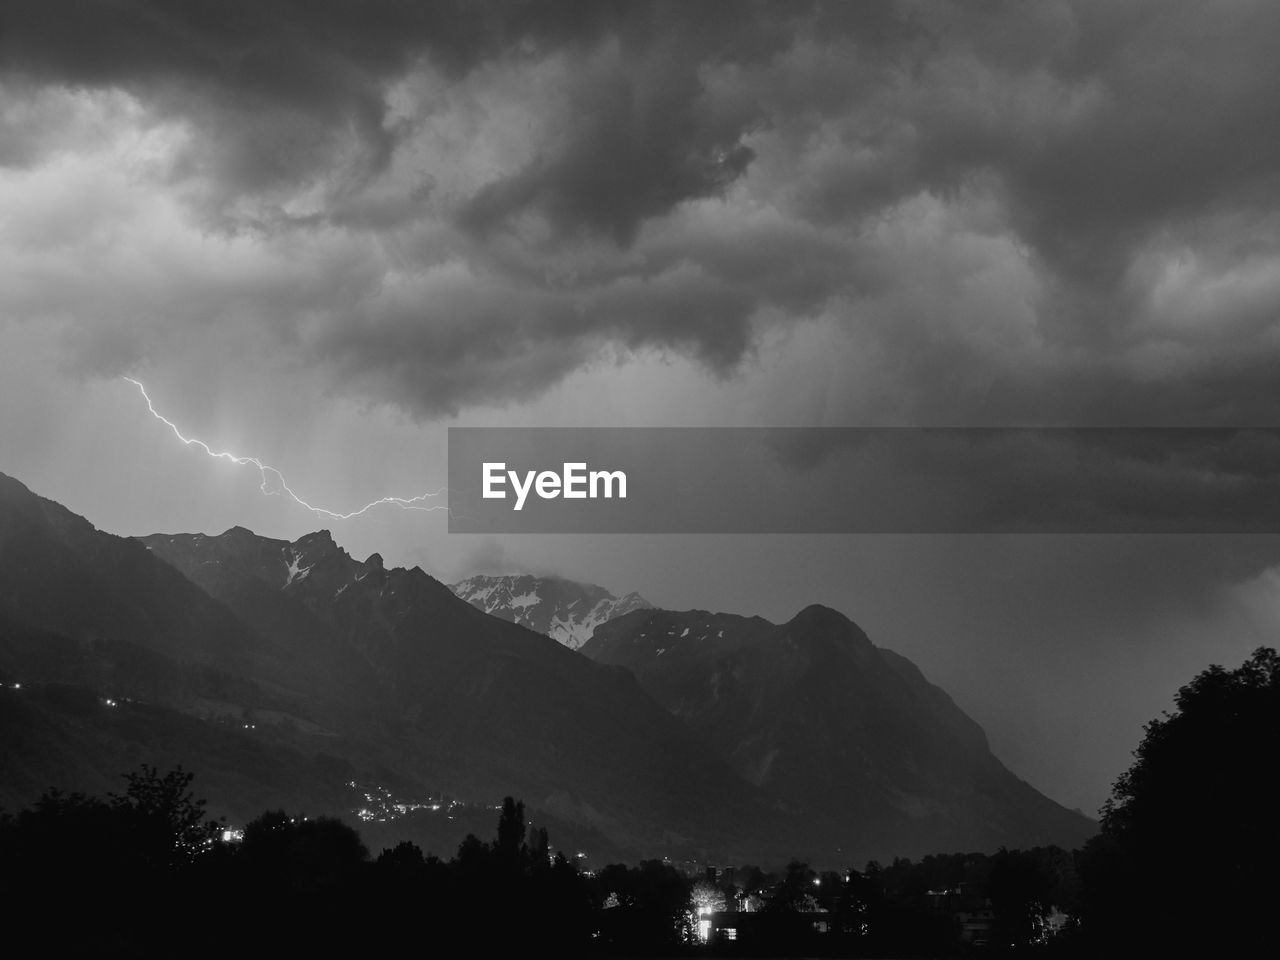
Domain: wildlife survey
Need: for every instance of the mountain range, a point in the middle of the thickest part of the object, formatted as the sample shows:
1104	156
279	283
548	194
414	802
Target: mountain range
289	673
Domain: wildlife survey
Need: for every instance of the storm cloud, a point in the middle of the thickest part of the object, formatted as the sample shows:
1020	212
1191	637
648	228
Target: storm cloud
1073	202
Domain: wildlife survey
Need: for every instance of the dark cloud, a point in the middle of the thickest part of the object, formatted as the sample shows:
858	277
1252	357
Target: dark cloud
319	65
640	154
1048	213
276	84
275	88
1105	126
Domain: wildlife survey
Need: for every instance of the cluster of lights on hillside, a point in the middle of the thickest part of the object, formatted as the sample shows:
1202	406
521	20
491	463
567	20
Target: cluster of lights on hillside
381	806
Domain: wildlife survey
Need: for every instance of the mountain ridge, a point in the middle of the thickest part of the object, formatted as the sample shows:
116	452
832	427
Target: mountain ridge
492	703
815	714
685	734
299	645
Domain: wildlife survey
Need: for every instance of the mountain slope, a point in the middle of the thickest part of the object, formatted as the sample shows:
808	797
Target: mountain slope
565	610
819	717
475	705
121	608
110	657
302	647
688	734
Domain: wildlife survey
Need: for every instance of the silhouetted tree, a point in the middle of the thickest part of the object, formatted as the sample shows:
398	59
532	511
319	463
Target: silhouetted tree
795	894
300	855
405	856
75	870
511	831
168	820
860	900
652	906
1190	836
539	850
1021	890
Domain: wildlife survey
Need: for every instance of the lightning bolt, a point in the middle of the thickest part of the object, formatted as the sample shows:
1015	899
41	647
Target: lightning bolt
271	476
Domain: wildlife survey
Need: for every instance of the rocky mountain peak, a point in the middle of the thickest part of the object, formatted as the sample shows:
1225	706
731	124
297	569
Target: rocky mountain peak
565	610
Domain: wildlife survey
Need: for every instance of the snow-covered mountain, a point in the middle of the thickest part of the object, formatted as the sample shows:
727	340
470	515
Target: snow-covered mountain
564	610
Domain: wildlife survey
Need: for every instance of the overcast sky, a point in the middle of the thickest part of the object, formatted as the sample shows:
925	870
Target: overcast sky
322	232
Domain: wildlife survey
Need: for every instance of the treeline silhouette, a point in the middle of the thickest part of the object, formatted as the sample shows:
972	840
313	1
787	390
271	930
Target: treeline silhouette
1183	864
146	873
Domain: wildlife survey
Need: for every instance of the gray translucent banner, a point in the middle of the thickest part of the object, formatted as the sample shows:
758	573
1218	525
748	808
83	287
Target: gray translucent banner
864	480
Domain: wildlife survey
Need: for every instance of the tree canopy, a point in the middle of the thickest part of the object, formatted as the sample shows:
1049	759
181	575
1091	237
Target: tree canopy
1191	834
